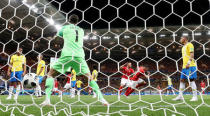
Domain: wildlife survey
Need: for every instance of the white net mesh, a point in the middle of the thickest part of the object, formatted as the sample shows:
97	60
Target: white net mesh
116	31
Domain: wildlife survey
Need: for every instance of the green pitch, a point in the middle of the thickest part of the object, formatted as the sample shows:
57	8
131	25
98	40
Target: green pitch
150	105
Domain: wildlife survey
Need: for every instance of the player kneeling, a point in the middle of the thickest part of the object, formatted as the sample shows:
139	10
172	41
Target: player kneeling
136	80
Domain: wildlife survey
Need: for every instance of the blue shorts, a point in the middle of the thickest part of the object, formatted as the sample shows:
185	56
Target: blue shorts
16	76
40	79
190	73
73	84
79	88
170	86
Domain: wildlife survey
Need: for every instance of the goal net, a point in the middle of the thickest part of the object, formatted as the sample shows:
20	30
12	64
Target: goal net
141	32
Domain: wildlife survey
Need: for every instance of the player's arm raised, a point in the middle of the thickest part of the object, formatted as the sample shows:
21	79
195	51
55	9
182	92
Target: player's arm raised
121	67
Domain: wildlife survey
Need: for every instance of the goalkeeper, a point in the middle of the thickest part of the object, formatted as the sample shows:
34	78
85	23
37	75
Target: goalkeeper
72	55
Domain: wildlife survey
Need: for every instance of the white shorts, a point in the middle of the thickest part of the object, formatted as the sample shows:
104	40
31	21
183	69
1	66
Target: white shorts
133	84
55	89
124	81
202	88
67	86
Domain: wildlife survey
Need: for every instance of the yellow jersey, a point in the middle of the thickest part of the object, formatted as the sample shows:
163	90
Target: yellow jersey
186	50
74	74
17	62
79	83
169	81
40	65
95	75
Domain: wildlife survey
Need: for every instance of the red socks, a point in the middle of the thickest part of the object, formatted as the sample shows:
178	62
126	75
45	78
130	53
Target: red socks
120	89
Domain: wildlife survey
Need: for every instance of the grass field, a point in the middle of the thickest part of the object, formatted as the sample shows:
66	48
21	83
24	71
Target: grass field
150	105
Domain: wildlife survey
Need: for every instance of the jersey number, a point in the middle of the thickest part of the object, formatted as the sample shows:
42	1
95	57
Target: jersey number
76	36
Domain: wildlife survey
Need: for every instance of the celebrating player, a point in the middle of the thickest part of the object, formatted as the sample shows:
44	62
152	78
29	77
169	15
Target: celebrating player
40	72
170	86
16	70
188	69
136	80
78	84
55	89
72	55
127	71
203	85
68	84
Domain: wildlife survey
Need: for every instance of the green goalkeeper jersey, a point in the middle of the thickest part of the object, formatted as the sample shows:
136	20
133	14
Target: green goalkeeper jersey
73	40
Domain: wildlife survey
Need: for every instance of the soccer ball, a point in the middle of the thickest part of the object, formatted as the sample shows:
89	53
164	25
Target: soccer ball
29	80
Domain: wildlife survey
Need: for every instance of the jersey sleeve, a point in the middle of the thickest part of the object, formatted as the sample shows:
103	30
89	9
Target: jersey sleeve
132	71
60	32
190	47
124	68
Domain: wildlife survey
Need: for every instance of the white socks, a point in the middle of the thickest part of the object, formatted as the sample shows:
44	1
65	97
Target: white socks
194	88
11	90
78	93
173	92
17	90
181	88
73	92
38	91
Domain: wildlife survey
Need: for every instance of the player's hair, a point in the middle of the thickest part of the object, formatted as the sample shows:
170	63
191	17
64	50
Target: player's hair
41	55
73	19
20	47
185	37
94	67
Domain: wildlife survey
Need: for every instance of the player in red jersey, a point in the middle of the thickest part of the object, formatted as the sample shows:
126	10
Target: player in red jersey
55	89
136	80
203	85
68	84
127	71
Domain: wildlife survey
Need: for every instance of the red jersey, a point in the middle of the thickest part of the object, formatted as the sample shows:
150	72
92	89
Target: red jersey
56	84
127	72
202	84
68	78
138	75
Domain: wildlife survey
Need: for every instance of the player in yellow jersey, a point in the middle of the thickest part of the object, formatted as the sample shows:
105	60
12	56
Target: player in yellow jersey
170	86
40	72
16	70
79	83
188	69
73	83
94	75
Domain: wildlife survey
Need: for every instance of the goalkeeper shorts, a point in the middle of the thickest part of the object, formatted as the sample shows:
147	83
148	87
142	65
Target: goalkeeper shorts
63	64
